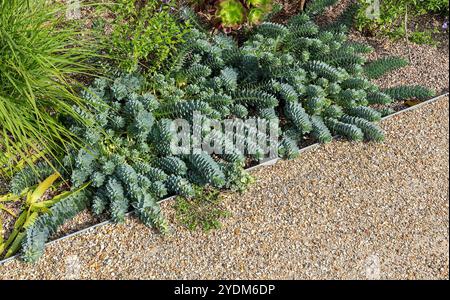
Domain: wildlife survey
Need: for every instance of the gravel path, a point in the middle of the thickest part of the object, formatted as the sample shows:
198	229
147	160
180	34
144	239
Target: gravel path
343	210
429	66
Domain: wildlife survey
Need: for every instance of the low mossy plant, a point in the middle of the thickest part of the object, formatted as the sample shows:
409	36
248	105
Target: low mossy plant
203	211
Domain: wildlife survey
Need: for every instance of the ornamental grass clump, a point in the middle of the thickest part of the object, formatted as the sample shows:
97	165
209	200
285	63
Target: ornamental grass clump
39	55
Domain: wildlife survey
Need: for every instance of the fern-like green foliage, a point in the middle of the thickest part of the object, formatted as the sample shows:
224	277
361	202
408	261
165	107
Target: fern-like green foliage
255	99
320	131
288	148
380	67
333	111
272	30
371	131
324	70
205	167
150	213
299	118
385	111
183	109
365	112
358	83
360	47
119	165
161	136
379	98
180	186
118	202
171	165
349	131
311	78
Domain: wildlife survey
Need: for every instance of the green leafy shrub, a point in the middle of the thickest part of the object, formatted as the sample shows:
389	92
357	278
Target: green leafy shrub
121	161
390	17
118	162
409	92
310	77
382	66
234	13
39	55
143	33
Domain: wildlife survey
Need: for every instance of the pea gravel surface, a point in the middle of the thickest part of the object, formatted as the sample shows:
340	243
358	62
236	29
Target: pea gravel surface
343	210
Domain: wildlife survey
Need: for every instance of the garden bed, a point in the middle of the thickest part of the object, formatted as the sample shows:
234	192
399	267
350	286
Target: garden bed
325	215
85	221
428	66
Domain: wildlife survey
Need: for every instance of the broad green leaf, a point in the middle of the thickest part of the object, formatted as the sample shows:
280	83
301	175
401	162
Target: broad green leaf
2	241
43	187
30	220
21	220
55	199
11	238
15	245
43	206
42	209
9	197
17	228
28	200
2	207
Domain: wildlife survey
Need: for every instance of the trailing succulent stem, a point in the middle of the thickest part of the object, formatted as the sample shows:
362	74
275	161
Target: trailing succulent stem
382	66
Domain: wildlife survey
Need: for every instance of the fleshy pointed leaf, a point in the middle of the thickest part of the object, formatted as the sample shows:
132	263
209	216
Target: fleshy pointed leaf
43	187
30	220
15	245
9	211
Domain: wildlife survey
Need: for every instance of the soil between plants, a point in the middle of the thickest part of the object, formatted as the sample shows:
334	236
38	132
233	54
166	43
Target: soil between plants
343	210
